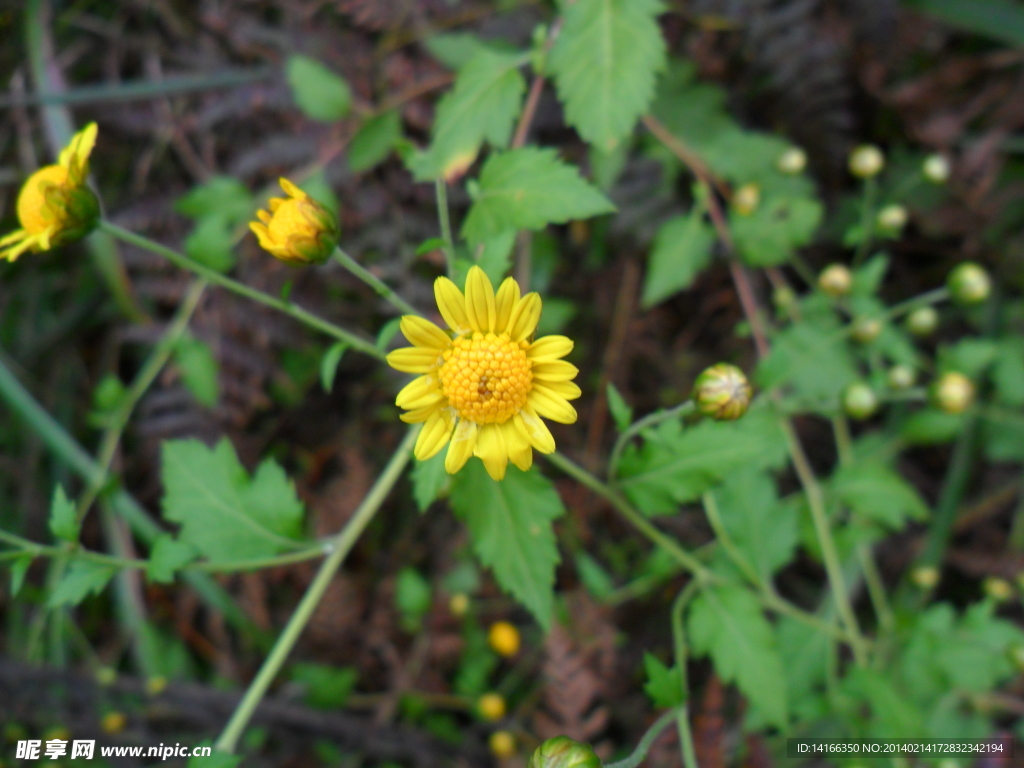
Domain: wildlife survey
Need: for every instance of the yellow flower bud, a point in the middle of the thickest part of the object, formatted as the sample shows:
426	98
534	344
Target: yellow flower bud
297	229
563	752
953	392
969	283
459	604
892	218
866	329
936	169
923	321
925	576
998	589
722	392
502	744
902	377
113	722
504	638
835	280
866	161
491	706
746	199
55	206
156	685
859	400
792	161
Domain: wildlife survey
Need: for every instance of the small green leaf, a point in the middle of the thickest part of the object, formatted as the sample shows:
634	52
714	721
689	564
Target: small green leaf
931	426
413	597
19	568
63	516
808	358
772	233
329	364
387	332
765	531
433	244
529	188
511	525
167	556
199	369
595	579
429	481
221	195
212	243
326	687
878	493
374	141
664	686
621	412
318	92
682	249
82	578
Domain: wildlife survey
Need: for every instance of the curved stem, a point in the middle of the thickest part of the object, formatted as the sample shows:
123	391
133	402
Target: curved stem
382	289
681	653
933	296
343	543
178	259
650	420
867	220
644	746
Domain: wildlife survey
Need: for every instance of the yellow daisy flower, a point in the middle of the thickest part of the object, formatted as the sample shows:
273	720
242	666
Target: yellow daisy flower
55	206
297	230
483	390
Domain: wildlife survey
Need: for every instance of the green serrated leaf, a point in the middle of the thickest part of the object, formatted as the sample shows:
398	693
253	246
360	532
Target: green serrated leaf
82	578
63	516
809	358
199	369
319	93
529	188
682	249
605	63
664	686
877	493
511	525
329	364
429	481
772	233
496	255
727	624
374	141
621	412
765	531
222	512
167	556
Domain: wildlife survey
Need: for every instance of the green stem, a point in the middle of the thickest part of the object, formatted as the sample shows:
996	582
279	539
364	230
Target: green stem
876	588
933	296
867	220
343	543
648	421
715	518
644	746
953	489
382	289
444	219
212	276
681	654
844	442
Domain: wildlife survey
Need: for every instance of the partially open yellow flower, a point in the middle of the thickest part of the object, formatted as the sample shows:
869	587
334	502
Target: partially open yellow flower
484	391
297	230
55	206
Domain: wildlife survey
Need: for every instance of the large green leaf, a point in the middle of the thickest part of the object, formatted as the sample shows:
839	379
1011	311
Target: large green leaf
999	19
727	624
772	233
604	62
764	530
223	513
811	359
682	248
511	525
529	188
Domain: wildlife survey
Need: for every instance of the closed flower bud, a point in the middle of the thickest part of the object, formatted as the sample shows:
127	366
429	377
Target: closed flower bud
491	706
722	392
859	400
923	321
835	280
936	169
459	604
866	161
998	589
156	685
892	218
55	206
953	392
297	229
784	297
792	161
901	377
563	752
969	283
866	329
746	199
504	639
502	744
113	722
925	576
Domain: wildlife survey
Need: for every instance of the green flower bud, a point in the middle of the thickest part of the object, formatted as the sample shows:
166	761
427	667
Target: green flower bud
783	297
953	393
969	283
859	400
998	589
925	576
792	161
923	321
722	392
901	377
563	752
936	169
835	280
746	199
866	329
892	218
866	161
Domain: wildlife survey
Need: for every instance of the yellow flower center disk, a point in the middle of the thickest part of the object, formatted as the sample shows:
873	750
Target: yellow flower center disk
486	378
32	200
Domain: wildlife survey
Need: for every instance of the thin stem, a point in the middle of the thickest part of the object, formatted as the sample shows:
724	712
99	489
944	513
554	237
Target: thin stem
287	307
933	296
443	217
681	654
953	489
844	443
644	746
876	588
648	421
816	501
867	220
382	289
715	519
343	543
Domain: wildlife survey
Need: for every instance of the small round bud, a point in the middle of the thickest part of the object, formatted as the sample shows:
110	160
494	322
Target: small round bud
892	218
746	199
1016	655
866	161
504	639
953	393
156	685
113	722
923	321
866	329
969	283
936	169
901	377
491	706
722	392
459	604
998	589
835	280
563	752
792	161
859	400
106	676
502	744
783	297
925	576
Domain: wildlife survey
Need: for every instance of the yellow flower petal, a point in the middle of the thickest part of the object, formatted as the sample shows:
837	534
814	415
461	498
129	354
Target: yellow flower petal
414	359
566	390
557	370
74	157
549	348
419	389
534	430
420	415
274	203
519	451
504	302
480	309
462	446
291	190
423	333
264	216
14	236
435	434
452	304
525	317
262	234
551	406
492	450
